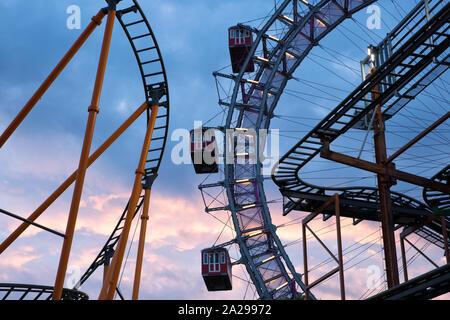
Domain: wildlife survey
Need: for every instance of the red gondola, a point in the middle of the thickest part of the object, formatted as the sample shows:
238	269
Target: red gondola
240	41
203	151
216	269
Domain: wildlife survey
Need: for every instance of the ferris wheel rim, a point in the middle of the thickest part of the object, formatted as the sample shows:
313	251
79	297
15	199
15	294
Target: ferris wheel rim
228	180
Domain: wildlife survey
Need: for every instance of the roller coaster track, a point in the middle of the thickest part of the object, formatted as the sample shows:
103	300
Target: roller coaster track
34	292
108	249
426	286
360	202
439	203
153	74
252	104
154	80
438	200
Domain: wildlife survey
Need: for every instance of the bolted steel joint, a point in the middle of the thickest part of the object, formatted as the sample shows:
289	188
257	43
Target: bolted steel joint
156	92
95	109
148	181
97	20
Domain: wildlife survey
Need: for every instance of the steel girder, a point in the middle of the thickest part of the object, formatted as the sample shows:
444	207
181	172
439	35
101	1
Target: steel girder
439	203
361	204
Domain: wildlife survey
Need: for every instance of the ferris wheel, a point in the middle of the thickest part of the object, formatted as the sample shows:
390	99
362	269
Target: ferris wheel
393	73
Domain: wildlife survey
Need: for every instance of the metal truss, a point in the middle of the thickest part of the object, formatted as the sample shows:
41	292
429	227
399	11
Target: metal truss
410	24
438	203
359	203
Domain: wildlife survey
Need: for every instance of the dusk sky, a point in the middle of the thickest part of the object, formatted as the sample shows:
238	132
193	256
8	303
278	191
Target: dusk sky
192	36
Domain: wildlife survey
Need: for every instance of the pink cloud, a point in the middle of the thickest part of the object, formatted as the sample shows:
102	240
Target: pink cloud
19	257
180	224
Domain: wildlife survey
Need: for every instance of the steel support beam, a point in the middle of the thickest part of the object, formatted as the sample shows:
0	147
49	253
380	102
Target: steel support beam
384	194
83	164
404	262
421	253
109	287
142	235
334	200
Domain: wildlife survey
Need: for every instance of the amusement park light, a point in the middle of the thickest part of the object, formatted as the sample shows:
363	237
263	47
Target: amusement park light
262	59
272	281
273	38
242	180
290	56
252	81
282	286
288	19
254	233
268	259
320	22
249	206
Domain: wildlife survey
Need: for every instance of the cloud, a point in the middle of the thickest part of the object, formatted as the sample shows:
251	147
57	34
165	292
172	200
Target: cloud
20	257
